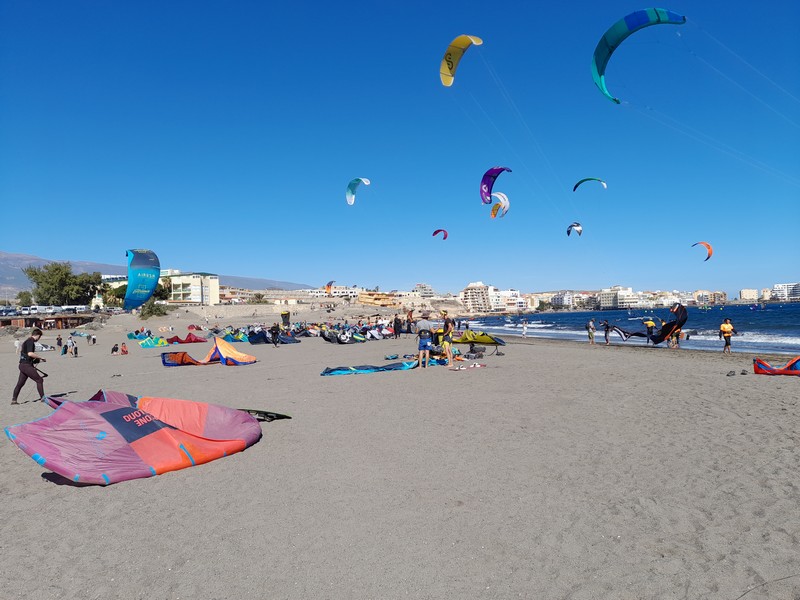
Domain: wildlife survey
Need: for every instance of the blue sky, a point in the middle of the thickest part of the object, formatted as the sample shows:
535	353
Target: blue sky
223	135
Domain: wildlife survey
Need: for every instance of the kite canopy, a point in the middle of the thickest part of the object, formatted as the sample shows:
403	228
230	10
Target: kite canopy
681	316
329	287
619	32
115	436
144	270
708	248
452	56
350	192
487	183
762	367
582	181
222	353
479	337
501	206
442	231
575	226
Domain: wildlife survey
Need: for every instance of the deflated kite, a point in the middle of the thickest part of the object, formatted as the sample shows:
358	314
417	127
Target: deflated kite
442	231
452	56
144	269
619	32
576	227
501	206
350	192
708	248
115	436
582	181
487	182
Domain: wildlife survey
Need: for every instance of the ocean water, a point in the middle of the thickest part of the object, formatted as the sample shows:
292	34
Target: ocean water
774	329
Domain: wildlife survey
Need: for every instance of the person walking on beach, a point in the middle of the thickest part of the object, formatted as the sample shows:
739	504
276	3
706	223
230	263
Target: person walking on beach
425	335
524	327
726	330
59	341
71	346
27	366
590	329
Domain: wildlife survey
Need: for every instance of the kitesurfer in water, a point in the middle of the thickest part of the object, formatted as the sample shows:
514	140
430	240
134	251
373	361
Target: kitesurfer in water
726	330
27	366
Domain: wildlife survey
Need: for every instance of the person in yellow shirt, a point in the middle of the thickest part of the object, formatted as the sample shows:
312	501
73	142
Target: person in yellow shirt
726	330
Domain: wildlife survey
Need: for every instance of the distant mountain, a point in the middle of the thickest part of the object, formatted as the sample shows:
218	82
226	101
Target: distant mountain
13	280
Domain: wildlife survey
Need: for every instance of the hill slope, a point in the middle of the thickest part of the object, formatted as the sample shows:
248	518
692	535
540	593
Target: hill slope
13	280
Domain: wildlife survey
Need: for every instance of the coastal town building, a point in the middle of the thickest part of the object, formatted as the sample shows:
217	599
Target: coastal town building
616	297
201	289
379	299
475	297
562	299
766	294
786	292
424	290
511	301
337	291
749	294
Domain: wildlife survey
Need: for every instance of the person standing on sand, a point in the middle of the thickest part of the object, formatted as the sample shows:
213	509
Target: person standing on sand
447	338
590	329
606	331
524	327
27	366
425	335
726	330
397	325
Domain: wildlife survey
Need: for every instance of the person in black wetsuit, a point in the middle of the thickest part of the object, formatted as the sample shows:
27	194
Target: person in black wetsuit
27	366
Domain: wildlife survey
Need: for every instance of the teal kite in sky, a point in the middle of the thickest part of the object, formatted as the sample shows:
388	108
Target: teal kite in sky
582	181
144	269
619	32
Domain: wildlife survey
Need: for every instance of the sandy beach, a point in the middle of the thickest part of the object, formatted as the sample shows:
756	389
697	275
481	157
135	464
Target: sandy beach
560	470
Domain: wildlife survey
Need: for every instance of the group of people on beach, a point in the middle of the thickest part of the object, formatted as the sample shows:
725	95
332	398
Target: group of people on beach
726	330
425	335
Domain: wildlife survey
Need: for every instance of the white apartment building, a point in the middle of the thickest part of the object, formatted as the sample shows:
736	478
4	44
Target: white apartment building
193	288
766	294
749	294
475	297
424	290
609	297
562	299
787	292
509	300
337	291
